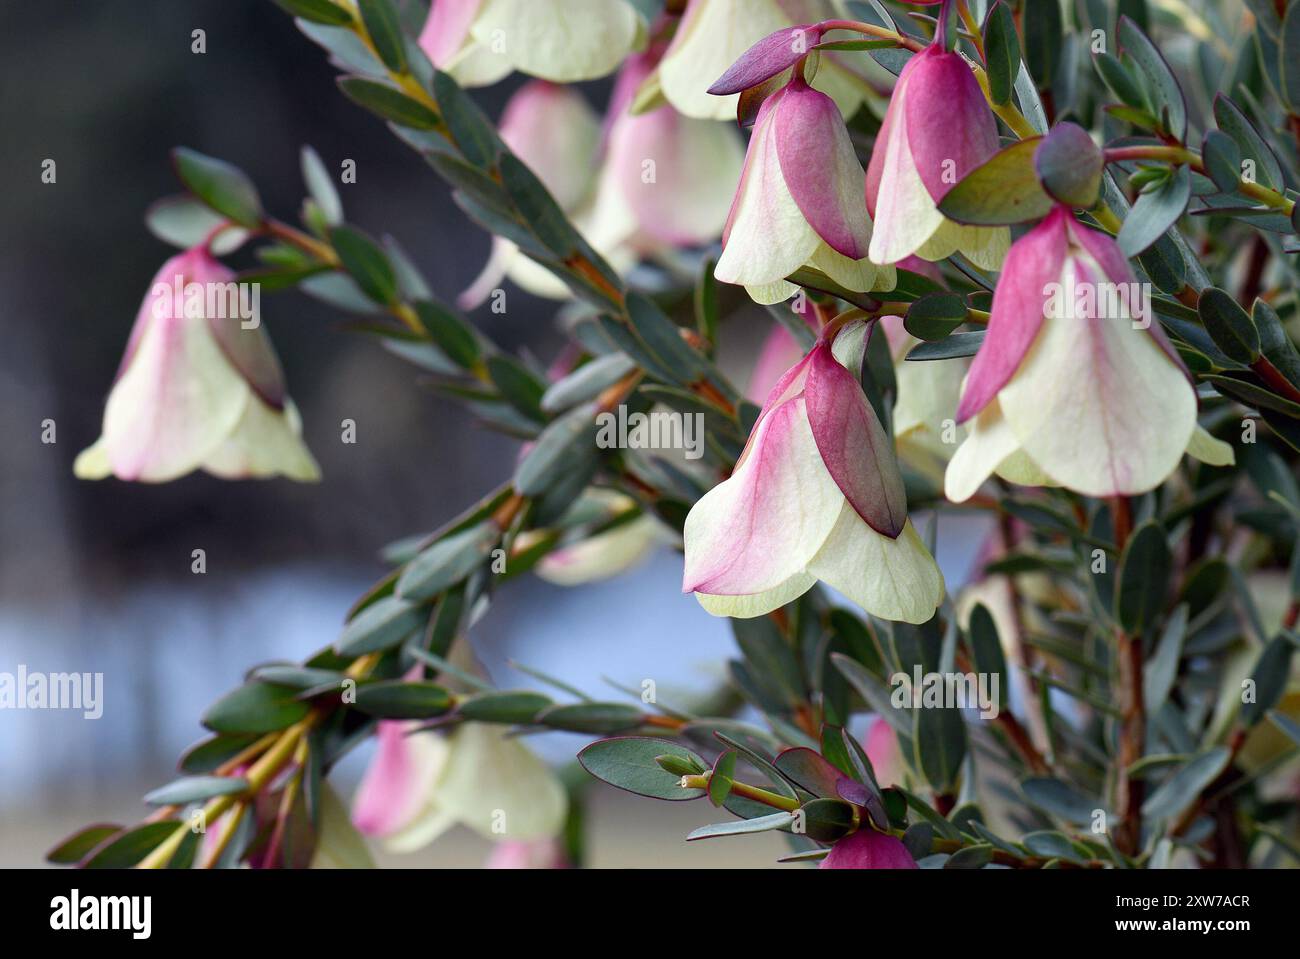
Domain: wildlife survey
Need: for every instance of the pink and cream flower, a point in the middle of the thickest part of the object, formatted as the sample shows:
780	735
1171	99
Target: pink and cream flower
198	388
481	41
1069	390
799	202
938	128
816	495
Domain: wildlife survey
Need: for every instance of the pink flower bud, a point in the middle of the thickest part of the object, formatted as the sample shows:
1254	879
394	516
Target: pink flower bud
937	129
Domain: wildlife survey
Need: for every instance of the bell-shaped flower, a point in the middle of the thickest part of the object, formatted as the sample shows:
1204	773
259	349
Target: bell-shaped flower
1075	385
816	495
199	387
480	41
605	554
869	849
419	784
799	202
937	129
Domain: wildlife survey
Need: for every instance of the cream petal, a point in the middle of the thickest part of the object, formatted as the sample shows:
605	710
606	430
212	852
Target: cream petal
561	40
1209	450
989	442
905	215
766	294
894	579
712	35
985	246
498	787
757	529
602	556
175	403
768	237
266	442
92	463
1097	404
757	604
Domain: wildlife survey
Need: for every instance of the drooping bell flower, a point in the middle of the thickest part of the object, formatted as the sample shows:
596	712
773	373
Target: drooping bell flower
1075	385
664	178
556	133
816	495
869	849
199	387
799	202
420	784
937	129
606	554
480	41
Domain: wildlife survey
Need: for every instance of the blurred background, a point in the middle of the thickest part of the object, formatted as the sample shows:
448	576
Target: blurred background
96	577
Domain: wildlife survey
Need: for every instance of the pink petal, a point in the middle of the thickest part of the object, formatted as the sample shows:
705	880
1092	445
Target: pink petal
821	169
394	787
950	128
751	157
1034	261
880	150
447	27
853	444
882	750
773	54
868	849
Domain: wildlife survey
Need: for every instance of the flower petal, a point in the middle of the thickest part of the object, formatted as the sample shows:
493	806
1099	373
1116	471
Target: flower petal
853	444
561	40
1209	450
757	604
895	579
989	442
775	53
868	849
950	128
399	780
266	442
1034	263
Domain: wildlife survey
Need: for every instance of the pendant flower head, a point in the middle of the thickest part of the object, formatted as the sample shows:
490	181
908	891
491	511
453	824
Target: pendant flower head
937	129
198	388
1074	384
869	849
799	202
815	495
481	41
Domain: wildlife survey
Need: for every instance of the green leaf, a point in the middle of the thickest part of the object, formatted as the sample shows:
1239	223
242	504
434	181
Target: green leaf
320	185
742	827
986	650
597	718
1274	341
1060	799
209	753
1042	25
827	820
1001	191
399	699
1222	159
1182	788
628	763
1289	58
317	11
382	624
367	263
567	443
1050	844
953	347
77	846
1270	678
255	708
514	707
1162	670
1069	166
722	777
1167	96
1143	578
389	102
935	315
190	789
385	31
1120	80
133	845
475	136
223	187
1002	51
587	382
1231	327
449	332
1155	212
185	221
1285	723
1267	171
976	856
447	562
939	742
